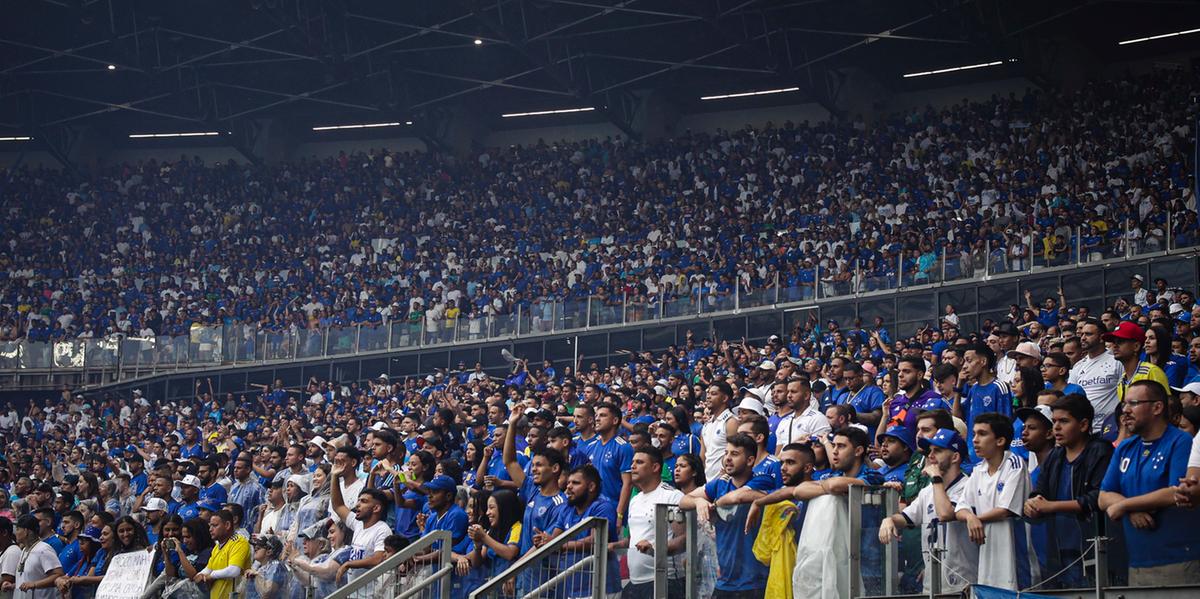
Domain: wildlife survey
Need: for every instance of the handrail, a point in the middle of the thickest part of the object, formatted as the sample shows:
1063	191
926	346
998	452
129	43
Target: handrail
389	565
598	558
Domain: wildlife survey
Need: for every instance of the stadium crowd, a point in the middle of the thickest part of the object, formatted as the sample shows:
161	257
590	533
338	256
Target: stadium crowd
1009	446
157	248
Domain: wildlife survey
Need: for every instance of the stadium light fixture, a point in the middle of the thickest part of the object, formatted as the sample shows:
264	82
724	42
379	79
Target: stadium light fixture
478	42
359	126
184	134
764	92
968	67
1157	37
17	138
112	67
541	112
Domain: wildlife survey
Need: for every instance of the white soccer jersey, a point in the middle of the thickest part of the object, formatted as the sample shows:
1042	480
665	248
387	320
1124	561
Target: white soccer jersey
1006	558
961	556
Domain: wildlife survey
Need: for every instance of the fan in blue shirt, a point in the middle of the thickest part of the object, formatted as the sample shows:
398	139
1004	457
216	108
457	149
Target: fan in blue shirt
612	456
986	394
739	570
1137	487
585	501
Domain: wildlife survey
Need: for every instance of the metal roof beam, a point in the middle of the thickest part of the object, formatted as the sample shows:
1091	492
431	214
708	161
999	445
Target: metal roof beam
489	83
305	96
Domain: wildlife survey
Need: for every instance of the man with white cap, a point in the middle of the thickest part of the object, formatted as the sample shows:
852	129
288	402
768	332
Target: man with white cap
156	512
1189	394
189	491
1140	295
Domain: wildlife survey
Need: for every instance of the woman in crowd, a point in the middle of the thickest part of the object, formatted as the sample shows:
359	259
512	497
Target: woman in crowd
84	585
89	546
314	506
1158	352
131	535
408	495
495	538
685	441
1026	385
321	569
472	455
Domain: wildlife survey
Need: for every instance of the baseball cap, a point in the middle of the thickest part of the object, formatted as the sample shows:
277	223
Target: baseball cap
1042	411
1126	331
91	533
754	405
1193	387
190	480
898	432
209	504
946	439
1026	349
441	482
270	542
154	504
766	365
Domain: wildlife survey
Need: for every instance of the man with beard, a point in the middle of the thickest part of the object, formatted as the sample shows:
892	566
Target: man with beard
934	505
782	517
741	575
367	521
584	500
915	395
1098	373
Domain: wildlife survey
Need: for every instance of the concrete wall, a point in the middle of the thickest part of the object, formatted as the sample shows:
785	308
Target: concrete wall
31	159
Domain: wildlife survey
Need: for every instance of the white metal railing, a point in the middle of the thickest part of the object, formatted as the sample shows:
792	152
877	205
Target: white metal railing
548	571
396	577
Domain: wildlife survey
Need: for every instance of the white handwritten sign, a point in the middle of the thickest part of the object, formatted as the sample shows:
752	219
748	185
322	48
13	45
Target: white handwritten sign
126	576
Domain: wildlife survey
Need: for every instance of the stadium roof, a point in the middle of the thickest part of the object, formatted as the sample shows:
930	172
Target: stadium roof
145	66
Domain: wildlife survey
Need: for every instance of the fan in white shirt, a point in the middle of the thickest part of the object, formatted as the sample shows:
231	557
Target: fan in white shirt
992	505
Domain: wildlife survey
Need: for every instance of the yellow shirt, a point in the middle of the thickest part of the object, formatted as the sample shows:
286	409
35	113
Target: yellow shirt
1145	372
235	552
775	546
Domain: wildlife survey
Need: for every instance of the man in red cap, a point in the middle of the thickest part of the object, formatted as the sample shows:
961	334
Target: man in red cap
1125	342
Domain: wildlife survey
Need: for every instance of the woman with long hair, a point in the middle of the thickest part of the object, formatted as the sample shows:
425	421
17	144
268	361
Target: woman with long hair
689	476
689	473
408	495
131	536
472	455
496	546
1026	385
685	441
1158	352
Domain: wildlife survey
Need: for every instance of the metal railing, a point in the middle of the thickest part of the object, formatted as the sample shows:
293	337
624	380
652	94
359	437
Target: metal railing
670	571
550	572
397	578
121	357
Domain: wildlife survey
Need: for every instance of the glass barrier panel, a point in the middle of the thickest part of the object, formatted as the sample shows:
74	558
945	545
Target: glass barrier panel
341	340
640	308
36	354
541	316
372	337
101	353
69	353
310	343
675	305
405	333
10	354
571	315
755	297
502	325
277	344
524	320
1183	230
605	310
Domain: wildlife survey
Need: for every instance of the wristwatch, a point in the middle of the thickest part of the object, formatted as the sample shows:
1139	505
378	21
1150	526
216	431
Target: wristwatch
937	480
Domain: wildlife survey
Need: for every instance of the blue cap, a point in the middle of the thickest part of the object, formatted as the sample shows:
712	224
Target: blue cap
131	448
899	432
945	438
209	504
92	533
441	482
